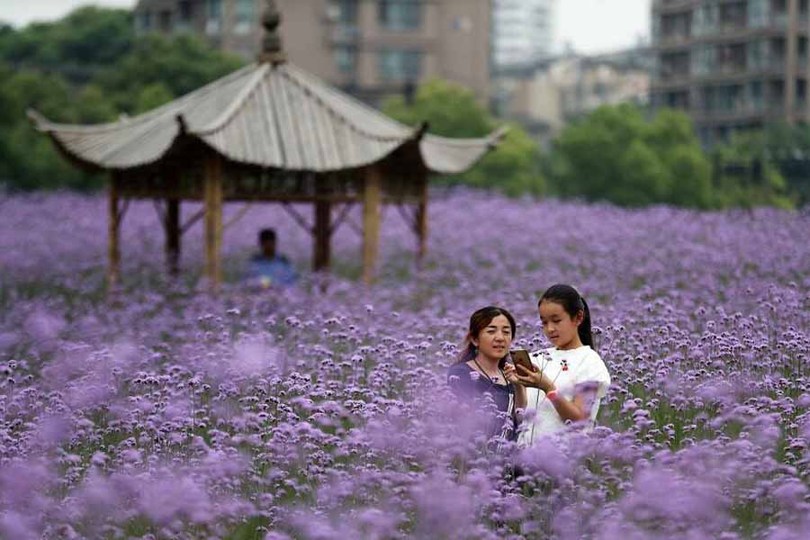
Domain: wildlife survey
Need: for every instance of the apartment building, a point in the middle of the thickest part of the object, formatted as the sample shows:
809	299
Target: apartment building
370	48
546	95
522	31
732	64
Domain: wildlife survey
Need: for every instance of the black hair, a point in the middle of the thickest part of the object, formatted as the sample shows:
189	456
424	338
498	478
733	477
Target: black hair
267	235
572	302
478	321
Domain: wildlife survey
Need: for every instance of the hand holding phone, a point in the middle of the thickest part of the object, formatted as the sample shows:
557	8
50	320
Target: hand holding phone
520	357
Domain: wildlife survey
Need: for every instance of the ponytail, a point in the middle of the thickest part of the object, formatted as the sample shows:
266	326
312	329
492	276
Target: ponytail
584	330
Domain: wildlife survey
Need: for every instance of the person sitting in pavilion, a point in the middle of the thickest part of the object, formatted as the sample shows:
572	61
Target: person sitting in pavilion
268	268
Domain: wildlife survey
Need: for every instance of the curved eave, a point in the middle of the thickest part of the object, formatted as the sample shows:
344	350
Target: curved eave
73	143
455	156
96	152
144	139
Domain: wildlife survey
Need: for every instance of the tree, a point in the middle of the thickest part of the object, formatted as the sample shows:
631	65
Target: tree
87	68
151	97
615	155
759	183
181	64
452	111
30	160
77	46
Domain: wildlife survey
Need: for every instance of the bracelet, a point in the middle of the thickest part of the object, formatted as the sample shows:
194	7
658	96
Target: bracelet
552	396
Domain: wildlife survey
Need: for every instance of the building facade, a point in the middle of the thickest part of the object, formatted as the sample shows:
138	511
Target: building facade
371	48
522	31
733	65
546	95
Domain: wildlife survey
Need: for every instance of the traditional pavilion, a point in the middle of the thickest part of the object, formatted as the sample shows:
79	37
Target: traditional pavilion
268	132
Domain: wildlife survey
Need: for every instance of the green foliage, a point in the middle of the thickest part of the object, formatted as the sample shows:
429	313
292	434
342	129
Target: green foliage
76	47
452	111
29	160
763	187
181	64
615	155
781	143
152	96
87	68
92	107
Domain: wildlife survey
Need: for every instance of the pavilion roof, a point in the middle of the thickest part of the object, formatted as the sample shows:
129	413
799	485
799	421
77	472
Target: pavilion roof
266	115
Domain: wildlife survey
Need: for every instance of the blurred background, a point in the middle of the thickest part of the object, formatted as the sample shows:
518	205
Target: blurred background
699	104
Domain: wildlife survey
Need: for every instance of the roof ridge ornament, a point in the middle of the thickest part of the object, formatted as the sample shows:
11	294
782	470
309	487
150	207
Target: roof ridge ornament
271	42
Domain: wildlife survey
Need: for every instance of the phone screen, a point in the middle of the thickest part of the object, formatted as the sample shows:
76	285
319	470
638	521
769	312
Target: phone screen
521	357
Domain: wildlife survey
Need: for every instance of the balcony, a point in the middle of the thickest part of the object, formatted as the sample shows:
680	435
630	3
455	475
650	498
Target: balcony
775	25
670	85
673	6
673	41
747	110
343	34
738	73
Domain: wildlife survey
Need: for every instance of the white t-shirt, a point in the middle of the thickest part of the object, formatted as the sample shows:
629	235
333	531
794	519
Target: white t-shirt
567	369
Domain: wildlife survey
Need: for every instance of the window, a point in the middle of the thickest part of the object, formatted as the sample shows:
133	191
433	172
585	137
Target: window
184	11
733	15
346	59
704	59
165	21
677	100
400	14
244	16
145	21
757	13
674	65
724	98
213	24
346	12
400	65
676	27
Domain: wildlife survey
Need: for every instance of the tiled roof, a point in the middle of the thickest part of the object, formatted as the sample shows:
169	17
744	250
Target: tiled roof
275	116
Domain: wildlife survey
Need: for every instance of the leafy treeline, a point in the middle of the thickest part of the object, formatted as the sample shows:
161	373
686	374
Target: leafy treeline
614	154
452	111
87	68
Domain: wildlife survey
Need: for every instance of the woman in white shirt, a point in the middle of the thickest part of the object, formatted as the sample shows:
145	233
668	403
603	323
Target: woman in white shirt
570	378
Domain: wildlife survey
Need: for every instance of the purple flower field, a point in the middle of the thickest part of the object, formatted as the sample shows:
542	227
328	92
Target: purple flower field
166	412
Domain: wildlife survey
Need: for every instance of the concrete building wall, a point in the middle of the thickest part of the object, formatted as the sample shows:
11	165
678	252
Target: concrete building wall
371	48
733	66
548	94
523	30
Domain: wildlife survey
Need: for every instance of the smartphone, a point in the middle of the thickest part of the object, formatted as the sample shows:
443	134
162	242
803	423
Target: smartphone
520	357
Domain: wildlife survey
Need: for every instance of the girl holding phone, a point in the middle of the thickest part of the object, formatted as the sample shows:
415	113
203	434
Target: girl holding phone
569	379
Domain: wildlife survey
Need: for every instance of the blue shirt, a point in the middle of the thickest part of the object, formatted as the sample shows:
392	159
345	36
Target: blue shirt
271	272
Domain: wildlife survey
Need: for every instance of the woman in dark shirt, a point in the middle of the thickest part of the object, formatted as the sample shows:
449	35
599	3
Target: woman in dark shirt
482	370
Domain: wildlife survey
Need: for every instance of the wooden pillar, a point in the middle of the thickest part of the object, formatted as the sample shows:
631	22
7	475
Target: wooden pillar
372	195
212	199
113	229
322	235
421	219
172	226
